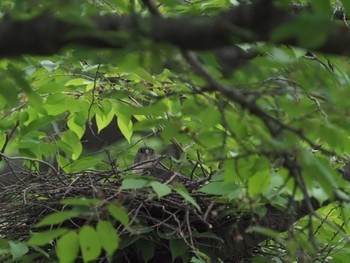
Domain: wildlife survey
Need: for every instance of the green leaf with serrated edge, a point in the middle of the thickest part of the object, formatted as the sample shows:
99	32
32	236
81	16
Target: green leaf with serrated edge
89	242
45	237
67	247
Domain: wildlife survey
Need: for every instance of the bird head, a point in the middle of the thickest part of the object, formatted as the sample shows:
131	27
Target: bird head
144	153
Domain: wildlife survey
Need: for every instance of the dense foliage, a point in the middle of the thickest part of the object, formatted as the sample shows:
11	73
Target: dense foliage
248	98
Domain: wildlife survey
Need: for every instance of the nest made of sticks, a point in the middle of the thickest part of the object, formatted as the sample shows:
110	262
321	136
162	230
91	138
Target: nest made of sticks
26	202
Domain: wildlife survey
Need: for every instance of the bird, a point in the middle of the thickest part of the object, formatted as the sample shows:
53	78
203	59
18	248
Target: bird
147	162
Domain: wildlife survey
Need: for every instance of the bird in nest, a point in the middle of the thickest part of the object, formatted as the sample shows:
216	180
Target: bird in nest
147	162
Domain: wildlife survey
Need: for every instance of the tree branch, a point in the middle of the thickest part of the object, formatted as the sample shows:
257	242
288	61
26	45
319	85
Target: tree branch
46	34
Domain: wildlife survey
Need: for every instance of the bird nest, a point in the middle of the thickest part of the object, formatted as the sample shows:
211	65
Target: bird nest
28	201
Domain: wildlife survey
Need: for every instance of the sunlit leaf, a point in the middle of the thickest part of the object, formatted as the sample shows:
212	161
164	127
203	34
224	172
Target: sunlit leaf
108	236
45	237
71	144
68	247
89	243
161	189
56	218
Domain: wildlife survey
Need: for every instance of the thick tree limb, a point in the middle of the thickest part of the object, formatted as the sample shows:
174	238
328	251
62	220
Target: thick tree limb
46	34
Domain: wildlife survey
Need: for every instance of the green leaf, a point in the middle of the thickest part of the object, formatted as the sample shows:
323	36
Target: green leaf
161	189
346	5
83	201
103	121
183	192
76	123
265	231
71	144
89	243
104	116
318	171
178	247
144	74
4	245
129	240
84	163
78	82
147	249
219	188
49	65
119	214
259	182
108	236
260	259
56	218
55	104
35	100
2	139
67	247
125	126
229	172
321	6
197	260
45	237
18	249
210	117
310	36
37	124
8	92
134	184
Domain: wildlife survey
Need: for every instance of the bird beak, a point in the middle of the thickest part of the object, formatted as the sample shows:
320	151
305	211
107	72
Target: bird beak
147	152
